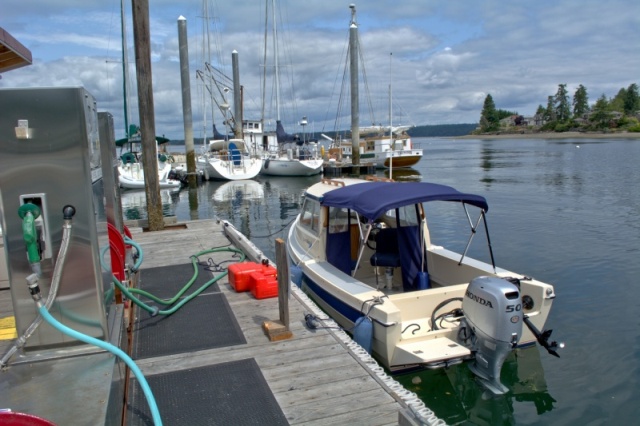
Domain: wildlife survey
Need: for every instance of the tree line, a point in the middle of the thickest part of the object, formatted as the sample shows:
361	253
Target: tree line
562	113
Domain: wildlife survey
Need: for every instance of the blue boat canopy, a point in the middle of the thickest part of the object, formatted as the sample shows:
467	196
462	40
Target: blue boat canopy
372	199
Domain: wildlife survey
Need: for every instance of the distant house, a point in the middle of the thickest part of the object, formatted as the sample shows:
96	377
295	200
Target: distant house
516	121
508	121
538	120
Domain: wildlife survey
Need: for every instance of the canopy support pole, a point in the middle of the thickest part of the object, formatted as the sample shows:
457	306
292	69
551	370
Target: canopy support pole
473	231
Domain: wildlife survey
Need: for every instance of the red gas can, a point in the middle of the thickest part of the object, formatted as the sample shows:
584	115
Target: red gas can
239	275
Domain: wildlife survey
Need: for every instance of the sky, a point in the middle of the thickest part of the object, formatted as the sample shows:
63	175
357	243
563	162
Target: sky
440	58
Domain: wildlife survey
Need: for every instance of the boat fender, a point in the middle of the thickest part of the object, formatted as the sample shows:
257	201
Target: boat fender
295	272
266	164
422	281
363	332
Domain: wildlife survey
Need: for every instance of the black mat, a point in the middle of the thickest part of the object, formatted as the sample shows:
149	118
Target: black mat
166	281
232	393
205	322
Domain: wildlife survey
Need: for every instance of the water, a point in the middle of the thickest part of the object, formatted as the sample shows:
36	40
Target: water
564	211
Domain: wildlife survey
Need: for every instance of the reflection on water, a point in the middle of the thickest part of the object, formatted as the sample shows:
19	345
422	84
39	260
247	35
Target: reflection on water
405	174
456	395
239	190
134	202
564	214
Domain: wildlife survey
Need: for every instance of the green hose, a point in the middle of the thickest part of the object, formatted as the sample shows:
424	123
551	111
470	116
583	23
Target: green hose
129	293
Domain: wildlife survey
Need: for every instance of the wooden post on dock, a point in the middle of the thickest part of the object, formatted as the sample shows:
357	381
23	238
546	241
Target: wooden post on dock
279	330
142	44
187	118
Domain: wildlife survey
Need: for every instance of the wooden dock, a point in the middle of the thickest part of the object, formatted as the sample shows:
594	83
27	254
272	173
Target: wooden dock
314	377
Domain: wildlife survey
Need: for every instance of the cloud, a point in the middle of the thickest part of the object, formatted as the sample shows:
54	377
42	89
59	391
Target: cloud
441	58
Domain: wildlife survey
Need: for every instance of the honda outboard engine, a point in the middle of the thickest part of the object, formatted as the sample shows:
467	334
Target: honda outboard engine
493	312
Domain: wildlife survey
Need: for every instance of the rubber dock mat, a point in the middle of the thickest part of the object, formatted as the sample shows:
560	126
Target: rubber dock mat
203	323
166	281
231	393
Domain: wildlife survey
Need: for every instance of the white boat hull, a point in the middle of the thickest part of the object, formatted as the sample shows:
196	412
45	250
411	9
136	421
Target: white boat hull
213	168
131	176
291	167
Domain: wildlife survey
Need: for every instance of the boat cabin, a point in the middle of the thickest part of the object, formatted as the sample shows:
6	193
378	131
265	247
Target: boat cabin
381	224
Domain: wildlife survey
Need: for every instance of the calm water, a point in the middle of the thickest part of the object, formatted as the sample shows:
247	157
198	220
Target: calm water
564	211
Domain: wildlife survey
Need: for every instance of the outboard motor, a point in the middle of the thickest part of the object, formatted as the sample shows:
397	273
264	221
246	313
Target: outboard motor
493	312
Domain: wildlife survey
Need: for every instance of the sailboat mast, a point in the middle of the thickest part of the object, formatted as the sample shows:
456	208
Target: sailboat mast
125	68
353	70
275	58
391	141
264	61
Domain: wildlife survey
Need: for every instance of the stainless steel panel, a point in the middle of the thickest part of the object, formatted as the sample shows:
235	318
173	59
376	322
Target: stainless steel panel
109	159
49	144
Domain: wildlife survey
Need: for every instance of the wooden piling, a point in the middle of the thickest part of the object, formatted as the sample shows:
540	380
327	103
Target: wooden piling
279	330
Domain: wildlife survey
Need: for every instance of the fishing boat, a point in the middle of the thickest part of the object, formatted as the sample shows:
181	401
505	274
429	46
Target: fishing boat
362	250
228	160
385	146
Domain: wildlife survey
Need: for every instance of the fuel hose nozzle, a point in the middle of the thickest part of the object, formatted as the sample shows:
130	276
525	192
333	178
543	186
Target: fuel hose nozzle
29	212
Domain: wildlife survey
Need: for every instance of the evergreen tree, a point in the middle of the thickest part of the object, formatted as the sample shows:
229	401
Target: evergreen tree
550	111
600	113
563	112
580	101
617	103
488	117
632	100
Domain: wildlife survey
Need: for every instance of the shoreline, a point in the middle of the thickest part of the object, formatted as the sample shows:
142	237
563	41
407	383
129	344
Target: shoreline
554	135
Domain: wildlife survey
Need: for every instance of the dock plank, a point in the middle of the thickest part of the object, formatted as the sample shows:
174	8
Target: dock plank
313	376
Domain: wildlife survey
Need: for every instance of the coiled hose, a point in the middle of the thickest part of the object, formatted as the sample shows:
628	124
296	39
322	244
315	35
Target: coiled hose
130	293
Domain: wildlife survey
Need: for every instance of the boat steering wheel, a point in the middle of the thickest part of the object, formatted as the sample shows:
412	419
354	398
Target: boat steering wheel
373	235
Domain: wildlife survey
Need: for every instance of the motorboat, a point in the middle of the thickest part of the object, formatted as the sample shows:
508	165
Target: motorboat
362	250
131	172
387	148
228	160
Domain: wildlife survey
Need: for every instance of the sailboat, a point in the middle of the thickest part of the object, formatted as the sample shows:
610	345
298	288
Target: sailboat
385	146
130	167
291	156
223	157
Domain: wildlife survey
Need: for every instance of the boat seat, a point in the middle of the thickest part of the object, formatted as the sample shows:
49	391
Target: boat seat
128	157
235	155
387	253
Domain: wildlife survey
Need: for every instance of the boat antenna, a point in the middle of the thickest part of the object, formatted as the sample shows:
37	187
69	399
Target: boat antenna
391	141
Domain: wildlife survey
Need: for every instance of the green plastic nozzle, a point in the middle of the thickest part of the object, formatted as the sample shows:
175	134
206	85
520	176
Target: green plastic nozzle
29	213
